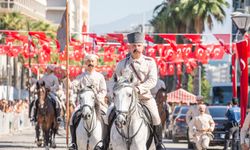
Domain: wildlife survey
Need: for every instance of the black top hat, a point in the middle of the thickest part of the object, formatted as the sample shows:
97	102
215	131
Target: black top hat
135	37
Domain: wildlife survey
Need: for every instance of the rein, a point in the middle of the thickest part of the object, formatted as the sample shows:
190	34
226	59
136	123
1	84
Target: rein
93	123
132	109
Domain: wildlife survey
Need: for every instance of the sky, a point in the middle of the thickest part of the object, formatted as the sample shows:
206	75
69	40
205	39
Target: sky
105	11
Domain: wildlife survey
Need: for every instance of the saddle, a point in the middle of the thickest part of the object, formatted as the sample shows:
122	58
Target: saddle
76	118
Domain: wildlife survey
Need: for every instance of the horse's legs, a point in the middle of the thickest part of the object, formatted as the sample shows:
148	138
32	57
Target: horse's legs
46	138
37	129
53	140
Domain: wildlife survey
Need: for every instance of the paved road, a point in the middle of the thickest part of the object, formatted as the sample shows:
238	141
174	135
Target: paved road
24	140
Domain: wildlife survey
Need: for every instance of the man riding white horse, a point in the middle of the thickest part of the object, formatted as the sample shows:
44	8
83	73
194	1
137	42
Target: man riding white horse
145	71
95	80
51	83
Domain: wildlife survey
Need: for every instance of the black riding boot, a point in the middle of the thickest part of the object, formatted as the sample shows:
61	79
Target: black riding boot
33	114
30	108
226	144
73	145
58	115
158	137
106	139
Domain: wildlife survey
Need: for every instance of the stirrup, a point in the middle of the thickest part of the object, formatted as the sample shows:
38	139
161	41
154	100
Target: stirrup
72	146
59	119
160	146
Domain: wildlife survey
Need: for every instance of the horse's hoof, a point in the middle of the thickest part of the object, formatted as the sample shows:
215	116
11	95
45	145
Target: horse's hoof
38	143
46	147
53	145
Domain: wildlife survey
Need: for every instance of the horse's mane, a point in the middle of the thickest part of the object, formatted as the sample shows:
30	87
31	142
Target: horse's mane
122	82
159	94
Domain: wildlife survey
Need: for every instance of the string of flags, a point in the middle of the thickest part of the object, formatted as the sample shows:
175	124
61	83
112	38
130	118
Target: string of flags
112	47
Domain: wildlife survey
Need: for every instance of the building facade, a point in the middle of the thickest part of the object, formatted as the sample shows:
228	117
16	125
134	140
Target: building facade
51	11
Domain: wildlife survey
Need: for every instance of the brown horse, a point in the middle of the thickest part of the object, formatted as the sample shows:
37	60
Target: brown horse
46	119
161	97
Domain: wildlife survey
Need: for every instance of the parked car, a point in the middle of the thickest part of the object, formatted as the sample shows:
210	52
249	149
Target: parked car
168	132
180	126
218	115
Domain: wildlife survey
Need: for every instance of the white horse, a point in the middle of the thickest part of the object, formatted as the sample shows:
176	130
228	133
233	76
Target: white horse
130	130
89	130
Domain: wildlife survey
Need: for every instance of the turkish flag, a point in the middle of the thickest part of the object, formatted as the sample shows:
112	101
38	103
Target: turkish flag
185	49
201	54
188	67
84	27
116	36
151	51
170	38
179	68
242	49
170	69
194	38
217	52
149	38
224	40
163	68
169	54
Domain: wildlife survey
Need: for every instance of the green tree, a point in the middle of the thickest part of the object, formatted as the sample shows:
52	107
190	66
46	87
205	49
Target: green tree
16	21
188	16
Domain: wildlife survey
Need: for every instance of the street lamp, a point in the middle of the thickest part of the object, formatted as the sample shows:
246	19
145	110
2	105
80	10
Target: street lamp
242	21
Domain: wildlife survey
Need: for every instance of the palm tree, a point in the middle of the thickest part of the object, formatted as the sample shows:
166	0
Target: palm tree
188	16
203	12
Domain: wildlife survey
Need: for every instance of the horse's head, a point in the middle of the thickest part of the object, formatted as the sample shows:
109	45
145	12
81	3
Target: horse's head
41	93
87	98
161	96
125	100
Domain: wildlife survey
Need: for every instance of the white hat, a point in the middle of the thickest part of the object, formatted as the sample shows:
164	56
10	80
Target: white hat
51	67
91	57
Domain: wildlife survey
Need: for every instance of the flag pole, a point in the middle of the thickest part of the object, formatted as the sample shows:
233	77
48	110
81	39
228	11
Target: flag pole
67	70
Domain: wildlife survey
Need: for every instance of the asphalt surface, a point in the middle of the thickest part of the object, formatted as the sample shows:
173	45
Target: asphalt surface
25	139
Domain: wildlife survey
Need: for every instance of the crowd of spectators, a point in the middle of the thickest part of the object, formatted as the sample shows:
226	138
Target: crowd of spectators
16	106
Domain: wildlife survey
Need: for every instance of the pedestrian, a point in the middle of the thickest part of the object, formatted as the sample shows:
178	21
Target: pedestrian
191	114
232	126
202	126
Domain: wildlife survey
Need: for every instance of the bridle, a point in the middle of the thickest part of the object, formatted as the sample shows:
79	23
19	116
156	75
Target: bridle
93	123
133	106
42	106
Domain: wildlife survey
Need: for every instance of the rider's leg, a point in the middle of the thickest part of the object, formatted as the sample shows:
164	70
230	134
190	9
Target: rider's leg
34	111
30	108
56	106
157	126
73	124
108	121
